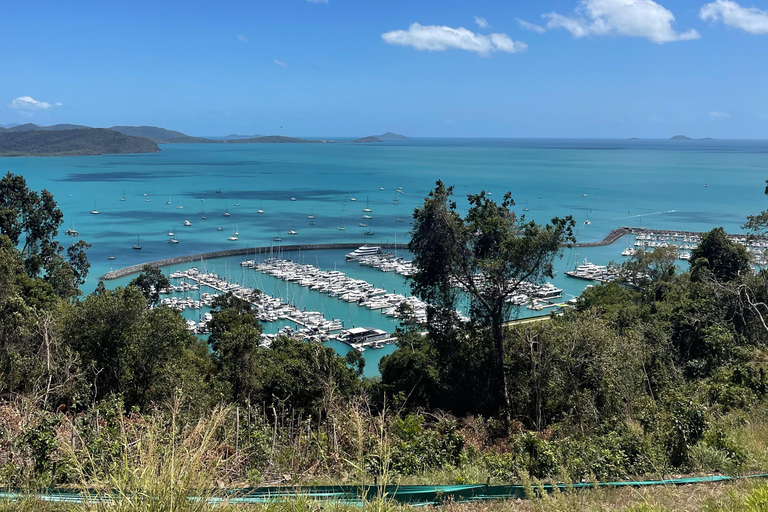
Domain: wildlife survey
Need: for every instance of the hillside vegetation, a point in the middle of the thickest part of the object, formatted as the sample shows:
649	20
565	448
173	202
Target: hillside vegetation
83	141
661	373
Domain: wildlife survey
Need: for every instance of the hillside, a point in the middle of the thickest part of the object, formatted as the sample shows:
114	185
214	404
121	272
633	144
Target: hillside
368	139
160	135
83	141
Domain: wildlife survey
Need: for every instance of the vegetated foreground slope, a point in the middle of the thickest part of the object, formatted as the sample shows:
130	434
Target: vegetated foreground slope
84	141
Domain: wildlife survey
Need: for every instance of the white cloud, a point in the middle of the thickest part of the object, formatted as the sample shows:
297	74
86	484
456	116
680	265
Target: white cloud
481	22
437	38
243	38
718	115
748	19
531	26
630	18
30	104
281	63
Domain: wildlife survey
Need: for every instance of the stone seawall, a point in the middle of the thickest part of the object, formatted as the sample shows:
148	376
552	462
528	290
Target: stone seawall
608	240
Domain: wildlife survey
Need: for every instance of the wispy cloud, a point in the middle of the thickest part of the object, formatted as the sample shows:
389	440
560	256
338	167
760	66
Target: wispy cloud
281	63
748	19
531	26
29	104
629	18
482	22
243	38
437	38
714	114
318	1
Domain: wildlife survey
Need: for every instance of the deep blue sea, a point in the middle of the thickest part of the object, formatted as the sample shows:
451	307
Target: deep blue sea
648	183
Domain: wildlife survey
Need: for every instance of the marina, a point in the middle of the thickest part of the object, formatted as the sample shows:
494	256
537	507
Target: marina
311	325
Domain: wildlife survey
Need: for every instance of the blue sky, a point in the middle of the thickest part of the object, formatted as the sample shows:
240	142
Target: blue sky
551	68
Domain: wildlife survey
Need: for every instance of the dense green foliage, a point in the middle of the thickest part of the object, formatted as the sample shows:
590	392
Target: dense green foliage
83	141
659	372
488	254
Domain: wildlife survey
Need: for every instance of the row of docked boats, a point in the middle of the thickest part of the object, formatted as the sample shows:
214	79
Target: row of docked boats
314	326
338	285
372	256
685	242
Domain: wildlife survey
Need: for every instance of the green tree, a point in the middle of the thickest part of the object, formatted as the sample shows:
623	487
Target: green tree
126	347
488	254
356	360
302	375
719	256
150	282
34	219
646	268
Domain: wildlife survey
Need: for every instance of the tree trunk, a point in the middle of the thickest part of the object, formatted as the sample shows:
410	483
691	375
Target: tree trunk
498	344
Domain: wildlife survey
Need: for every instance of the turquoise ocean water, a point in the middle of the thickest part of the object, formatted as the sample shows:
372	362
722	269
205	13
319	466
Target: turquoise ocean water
656	184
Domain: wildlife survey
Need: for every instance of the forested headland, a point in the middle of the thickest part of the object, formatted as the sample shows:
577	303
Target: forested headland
660	373
73	142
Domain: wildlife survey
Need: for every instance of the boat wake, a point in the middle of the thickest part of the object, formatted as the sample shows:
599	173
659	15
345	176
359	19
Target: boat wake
647	214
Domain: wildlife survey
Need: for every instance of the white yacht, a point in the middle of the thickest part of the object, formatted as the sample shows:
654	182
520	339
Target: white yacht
187	223
173	241
363	251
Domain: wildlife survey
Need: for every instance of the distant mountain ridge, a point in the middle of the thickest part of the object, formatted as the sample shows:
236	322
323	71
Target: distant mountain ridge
73	142
157	134
685	137
370	138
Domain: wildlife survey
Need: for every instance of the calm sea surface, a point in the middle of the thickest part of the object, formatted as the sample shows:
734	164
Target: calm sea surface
656	184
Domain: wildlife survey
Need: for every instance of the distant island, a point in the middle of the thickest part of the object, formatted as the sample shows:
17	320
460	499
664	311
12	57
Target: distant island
158	135
381	138
71	142
390	136
683	137
75	139
635	138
